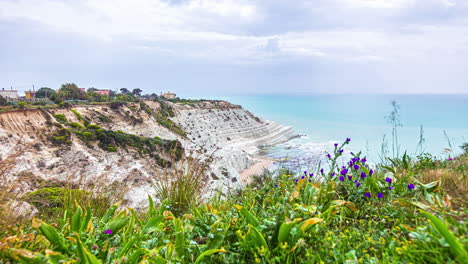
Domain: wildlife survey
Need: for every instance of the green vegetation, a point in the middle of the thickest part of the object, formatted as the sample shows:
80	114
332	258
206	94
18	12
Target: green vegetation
111	140
358	214
22	105
45	92
162	117
54	201
60	118
62	136
3	101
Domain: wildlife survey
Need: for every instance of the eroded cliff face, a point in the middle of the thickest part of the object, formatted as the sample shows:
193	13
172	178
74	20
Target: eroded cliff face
226	132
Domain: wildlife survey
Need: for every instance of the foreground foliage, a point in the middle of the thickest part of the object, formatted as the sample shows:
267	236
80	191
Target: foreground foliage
356	215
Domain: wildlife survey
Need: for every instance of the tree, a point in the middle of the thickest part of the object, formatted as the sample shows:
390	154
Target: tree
3	101
45	92
71	91
124	90
137	91
92	89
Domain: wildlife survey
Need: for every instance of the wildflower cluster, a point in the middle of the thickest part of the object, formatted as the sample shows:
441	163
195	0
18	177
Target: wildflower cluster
357	177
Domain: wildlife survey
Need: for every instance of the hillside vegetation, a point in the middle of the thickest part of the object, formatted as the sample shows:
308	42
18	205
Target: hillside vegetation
411	210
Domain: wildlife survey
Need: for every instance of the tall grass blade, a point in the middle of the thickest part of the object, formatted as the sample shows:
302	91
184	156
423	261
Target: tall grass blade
455	245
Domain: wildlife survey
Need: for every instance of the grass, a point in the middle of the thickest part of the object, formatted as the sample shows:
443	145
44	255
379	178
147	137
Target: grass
282	218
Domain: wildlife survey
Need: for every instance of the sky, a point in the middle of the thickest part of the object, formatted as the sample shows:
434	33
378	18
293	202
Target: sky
227	47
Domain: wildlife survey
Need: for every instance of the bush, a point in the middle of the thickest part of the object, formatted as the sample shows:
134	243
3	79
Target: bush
3	101
76	125
93	126
61	118
22	105
63	136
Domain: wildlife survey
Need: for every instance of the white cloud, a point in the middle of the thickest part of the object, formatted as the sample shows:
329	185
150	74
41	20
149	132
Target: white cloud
219	29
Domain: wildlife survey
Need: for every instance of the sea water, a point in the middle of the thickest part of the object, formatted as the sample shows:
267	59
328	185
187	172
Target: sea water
441	121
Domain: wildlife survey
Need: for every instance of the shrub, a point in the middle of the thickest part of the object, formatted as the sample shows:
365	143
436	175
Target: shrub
60	118
116	105
22	105
63	136
112	148
76	125
93	126
182	186
88	136
3	101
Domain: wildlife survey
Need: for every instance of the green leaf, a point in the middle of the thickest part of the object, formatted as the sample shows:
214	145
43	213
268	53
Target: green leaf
455	245
53	236
75	222
116	224
110	213
152	224
207	253
255	237
249	217
87	218
151	210
390	169
284	231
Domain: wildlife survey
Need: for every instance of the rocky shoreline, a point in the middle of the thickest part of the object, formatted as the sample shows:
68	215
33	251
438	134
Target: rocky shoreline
231	135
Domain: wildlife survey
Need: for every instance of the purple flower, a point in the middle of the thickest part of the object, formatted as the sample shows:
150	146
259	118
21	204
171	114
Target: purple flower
389	180
305	172
351	153
367	194
341	178
311	175
450	159
358	184
276	185
328	155
390	188
348	139
364	160
355	181
333	174
340	151
336	145
371	172
354	159
363	175
380	195
108	232
411	186
302	177
356	167
344	171
321	171
350	177
296	180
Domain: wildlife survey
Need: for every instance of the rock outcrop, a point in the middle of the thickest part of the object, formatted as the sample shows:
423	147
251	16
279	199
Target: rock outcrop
227	133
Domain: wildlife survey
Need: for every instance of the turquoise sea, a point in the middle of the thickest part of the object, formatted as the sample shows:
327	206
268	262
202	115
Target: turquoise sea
326	119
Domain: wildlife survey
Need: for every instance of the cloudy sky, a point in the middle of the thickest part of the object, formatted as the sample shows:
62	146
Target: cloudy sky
237	47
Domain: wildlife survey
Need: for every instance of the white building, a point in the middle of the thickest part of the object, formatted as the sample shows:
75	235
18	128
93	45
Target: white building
9	94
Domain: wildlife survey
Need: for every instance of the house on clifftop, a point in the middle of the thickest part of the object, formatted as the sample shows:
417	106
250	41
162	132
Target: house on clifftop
9	94
169	95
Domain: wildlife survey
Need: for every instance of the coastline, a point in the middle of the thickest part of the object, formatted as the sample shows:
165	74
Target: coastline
261	163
